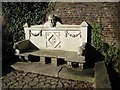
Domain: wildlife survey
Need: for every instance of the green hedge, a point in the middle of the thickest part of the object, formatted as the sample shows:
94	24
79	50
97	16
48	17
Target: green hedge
15	15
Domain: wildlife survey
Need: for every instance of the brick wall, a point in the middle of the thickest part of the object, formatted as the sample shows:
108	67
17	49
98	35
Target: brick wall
75	13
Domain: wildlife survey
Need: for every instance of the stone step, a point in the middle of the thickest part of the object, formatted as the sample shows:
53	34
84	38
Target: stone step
59	71
37	68
75	74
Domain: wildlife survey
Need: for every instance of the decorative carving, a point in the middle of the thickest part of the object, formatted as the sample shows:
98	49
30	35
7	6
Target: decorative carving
52	20
73	35
53	39
29	34
35	33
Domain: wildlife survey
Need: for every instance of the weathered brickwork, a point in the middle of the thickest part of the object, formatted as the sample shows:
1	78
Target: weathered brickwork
75	13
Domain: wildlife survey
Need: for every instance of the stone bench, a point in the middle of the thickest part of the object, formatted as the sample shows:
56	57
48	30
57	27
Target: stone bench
68	56
54	40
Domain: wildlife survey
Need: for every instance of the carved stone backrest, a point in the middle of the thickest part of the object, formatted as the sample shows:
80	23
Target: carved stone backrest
59	37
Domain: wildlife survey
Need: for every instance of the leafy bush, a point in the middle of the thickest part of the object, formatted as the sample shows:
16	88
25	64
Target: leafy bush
15	15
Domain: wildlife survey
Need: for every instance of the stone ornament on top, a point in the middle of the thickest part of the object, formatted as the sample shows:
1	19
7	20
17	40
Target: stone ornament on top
52	21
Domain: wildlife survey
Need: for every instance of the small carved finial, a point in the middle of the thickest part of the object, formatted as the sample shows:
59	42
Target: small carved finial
51	17
52	20
25	25
84	24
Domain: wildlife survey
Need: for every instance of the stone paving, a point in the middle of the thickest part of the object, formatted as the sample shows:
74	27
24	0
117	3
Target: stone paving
20	79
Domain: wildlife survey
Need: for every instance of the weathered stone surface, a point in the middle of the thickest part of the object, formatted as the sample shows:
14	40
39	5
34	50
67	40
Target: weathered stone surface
47	85
55	42
27	79
26	86
42	60
59	85
76	74
21	82
54	61
33	83
4	85
53	86
40	81
101	76
37	68
57	38
15	85
39	84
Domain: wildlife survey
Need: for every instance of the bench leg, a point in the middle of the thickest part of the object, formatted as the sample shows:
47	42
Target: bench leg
81	66
42	60
69	64
54	61
27	59
24	58
20	57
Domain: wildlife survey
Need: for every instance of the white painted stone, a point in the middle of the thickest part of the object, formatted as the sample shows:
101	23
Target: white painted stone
84	24
26	30
61	37
48	24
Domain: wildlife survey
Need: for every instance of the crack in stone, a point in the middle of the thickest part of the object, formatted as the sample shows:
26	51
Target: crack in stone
59	72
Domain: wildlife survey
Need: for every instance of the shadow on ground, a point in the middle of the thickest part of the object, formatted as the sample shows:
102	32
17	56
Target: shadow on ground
91	54
7	62
114	78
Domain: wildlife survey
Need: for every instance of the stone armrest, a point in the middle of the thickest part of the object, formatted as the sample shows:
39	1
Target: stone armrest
23	46
82	49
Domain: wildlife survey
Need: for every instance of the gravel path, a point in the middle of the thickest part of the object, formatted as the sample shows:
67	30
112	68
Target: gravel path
20	79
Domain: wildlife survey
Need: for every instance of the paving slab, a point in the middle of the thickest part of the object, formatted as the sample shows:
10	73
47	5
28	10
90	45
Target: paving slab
64	72
101	76
37	68
76	74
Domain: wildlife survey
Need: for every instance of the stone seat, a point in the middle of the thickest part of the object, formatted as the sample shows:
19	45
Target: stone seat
68	56
26	48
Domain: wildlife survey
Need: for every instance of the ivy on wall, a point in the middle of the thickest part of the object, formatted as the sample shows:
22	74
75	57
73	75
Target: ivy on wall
110	52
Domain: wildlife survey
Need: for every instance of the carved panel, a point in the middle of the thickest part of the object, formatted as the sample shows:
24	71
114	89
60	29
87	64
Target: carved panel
53	40
73	34
35	33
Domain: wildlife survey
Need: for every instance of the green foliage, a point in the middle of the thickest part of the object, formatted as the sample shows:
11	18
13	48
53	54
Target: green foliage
110	52
96	36
15	15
